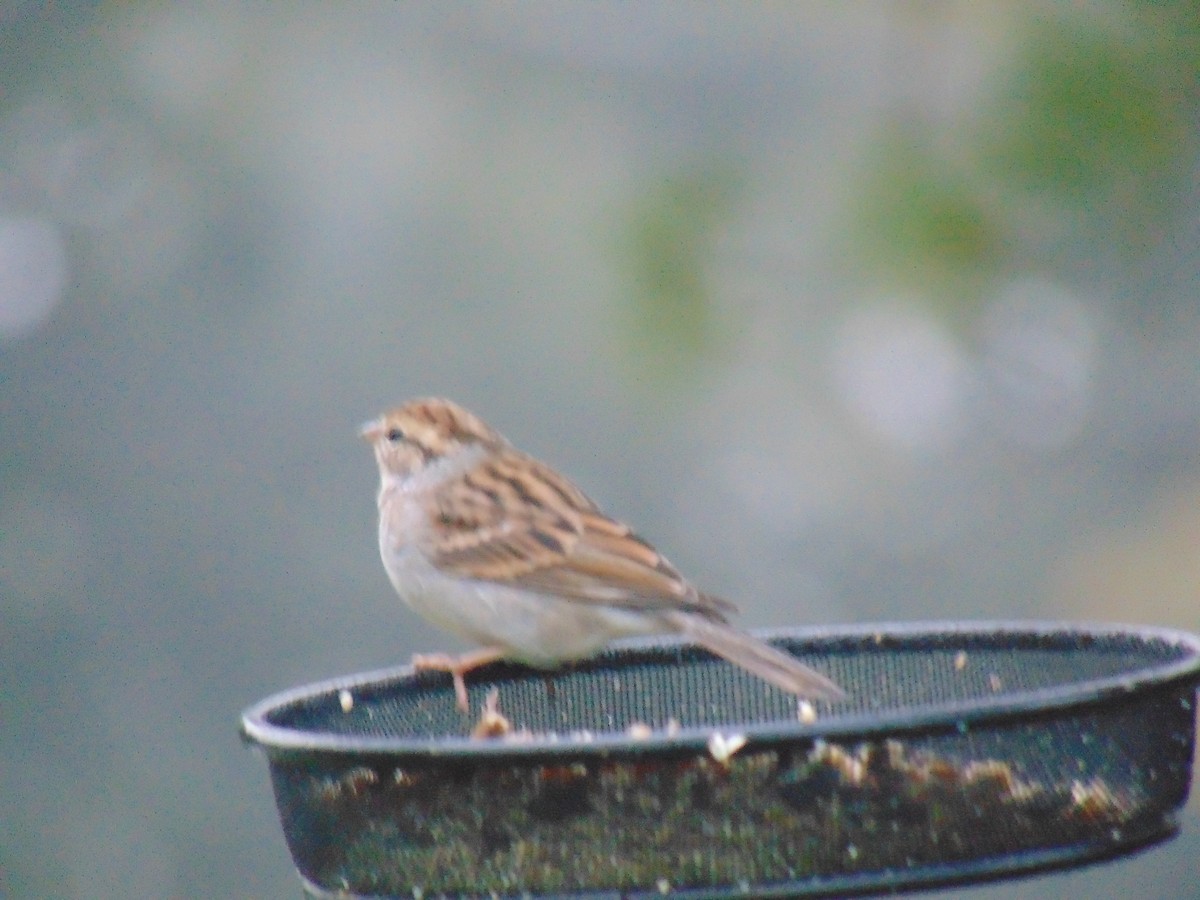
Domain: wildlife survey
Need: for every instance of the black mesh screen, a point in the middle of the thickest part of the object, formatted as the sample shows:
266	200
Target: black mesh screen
957	755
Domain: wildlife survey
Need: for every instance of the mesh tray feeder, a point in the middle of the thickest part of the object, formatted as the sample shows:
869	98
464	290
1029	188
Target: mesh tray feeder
961	753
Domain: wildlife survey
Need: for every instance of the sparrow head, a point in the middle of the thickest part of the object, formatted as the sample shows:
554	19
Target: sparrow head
423	432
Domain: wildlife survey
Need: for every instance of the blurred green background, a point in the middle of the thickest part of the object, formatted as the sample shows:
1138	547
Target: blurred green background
860	312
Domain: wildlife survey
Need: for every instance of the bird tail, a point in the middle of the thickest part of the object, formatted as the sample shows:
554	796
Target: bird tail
756	656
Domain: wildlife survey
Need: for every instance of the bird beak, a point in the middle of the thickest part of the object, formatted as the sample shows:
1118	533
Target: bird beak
370	431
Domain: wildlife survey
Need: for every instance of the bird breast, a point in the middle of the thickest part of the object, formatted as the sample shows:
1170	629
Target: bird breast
534	628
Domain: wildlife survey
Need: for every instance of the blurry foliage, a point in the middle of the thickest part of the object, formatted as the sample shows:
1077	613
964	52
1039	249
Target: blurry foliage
1099	116
925	227
1089	136
669	238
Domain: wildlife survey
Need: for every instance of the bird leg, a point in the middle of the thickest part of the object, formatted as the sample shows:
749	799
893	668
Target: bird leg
457	666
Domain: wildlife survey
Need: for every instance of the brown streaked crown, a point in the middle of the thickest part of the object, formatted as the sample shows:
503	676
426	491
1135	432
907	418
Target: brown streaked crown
411	436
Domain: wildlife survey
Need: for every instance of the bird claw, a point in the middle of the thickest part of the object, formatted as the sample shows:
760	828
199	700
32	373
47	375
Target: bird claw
457	667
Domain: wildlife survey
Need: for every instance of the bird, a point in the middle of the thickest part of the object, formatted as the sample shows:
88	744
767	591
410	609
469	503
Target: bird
502	551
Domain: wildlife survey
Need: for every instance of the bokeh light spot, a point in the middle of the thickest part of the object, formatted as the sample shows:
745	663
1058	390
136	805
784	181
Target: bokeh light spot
1039	360
33	273
902	376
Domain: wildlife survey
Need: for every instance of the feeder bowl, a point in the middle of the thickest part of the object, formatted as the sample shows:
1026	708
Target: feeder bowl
961	753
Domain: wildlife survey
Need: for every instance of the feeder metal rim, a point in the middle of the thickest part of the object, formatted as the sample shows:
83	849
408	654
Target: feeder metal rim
280	741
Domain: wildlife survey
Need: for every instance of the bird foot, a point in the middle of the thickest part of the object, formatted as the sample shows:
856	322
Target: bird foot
457	667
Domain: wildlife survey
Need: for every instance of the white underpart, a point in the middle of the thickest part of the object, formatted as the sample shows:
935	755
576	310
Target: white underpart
540	629
536	628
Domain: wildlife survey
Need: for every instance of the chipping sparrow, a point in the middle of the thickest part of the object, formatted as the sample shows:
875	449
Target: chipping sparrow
501	550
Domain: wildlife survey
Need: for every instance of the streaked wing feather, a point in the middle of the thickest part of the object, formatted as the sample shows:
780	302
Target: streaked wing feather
503	518
514	520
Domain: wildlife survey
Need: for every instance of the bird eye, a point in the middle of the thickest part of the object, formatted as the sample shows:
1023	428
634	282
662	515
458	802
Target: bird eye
395	435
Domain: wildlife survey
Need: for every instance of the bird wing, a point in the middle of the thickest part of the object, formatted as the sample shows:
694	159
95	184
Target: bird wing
514	520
